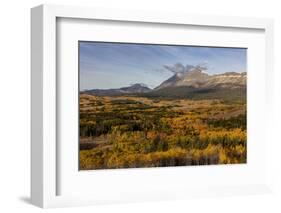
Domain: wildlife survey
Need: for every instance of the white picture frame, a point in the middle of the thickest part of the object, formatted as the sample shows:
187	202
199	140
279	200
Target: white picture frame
44	149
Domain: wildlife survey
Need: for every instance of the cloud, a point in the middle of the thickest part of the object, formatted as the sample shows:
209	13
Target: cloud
180	68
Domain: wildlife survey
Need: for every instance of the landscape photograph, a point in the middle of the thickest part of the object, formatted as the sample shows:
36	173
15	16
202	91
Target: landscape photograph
156	105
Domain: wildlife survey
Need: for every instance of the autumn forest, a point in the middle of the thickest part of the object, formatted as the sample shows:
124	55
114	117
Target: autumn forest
125	132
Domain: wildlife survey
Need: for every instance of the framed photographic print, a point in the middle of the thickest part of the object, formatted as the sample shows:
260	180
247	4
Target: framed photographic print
130	106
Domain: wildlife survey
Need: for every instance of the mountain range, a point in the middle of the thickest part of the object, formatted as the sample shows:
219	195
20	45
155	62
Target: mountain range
194	84
198	79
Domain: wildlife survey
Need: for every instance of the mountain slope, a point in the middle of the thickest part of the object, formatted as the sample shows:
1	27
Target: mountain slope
196	84
187	92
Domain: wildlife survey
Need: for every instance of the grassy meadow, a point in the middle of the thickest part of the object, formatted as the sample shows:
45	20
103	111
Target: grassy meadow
136	132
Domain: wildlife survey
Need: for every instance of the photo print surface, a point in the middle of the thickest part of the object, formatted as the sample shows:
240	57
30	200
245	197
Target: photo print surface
151	105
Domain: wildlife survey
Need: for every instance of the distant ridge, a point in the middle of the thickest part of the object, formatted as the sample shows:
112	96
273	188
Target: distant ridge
133	89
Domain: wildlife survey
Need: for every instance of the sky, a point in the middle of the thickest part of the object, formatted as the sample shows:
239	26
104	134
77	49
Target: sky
114	65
